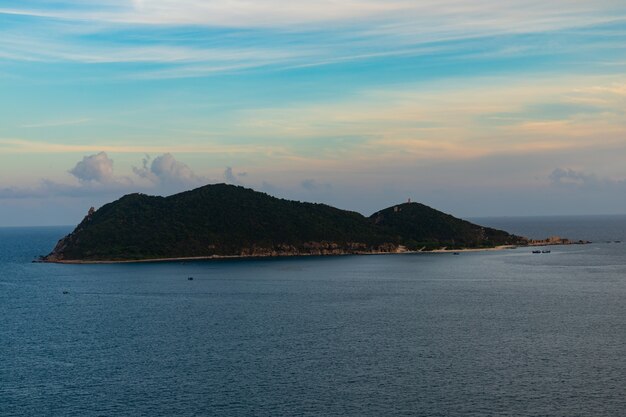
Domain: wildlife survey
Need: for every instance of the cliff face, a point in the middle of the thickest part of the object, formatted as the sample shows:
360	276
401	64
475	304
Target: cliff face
69	241
226	220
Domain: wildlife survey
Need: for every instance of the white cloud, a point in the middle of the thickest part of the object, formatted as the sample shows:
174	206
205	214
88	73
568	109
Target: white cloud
97	167
167	171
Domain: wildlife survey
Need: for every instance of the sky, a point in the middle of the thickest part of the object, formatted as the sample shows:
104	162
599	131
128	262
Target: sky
478	108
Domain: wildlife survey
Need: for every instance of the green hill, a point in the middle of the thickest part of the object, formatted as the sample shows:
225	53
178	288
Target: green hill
419	226
227	220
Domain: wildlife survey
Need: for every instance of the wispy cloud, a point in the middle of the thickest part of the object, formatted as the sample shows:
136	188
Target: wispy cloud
456	121
47	188
240	35
450	120
56	123
271	13
43	48
409	91
14	145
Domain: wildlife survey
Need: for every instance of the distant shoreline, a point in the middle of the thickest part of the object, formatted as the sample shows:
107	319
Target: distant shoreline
219	257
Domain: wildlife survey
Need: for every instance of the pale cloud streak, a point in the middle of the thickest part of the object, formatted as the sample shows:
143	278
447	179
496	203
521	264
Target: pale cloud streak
512	15
285	35
18	146
56	123
460	121
51	189
567	177
43	48
439	121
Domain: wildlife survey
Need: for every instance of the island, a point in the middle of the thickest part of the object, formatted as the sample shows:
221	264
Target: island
222	220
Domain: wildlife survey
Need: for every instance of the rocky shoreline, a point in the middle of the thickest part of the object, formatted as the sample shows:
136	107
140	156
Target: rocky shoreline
556	240
316	249
273	254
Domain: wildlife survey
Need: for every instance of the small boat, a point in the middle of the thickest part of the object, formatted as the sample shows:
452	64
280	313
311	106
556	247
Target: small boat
455	253
536	251
618	241
545	251
189	278
66	292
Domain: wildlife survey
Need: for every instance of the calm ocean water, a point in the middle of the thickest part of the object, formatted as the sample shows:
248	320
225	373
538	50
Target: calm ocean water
494	333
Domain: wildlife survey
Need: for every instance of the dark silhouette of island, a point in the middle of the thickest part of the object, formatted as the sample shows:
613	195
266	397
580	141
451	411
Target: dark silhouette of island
223	220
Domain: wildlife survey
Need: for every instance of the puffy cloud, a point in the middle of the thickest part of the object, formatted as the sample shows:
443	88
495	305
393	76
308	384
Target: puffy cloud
97	167
168	171
96	178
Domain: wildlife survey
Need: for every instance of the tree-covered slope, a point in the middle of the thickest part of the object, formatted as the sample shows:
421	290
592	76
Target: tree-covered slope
227	220
419	226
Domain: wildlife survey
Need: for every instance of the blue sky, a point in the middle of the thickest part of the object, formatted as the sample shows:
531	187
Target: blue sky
476	108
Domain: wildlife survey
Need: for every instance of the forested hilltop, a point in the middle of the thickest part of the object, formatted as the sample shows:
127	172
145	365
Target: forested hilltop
227	220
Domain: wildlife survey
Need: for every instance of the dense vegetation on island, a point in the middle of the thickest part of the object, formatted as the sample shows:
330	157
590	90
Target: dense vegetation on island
228	220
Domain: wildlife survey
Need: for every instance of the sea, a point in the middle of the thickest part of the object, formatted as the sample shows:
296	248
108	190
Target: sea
495	333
